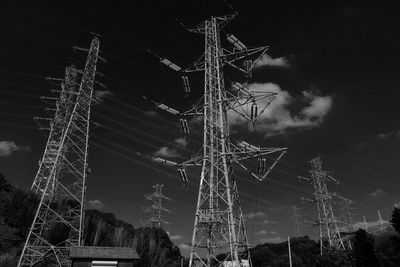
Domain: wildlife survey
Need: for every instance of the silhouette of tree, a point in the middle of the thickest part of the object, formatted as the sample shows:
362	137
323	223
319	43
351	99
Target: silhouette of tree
364	250
395	221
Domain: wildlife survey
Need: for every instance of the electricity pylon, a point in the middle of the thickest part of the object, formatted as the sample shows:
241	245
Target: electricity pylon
329	234
296	218
60	182
156	209
346	212
219	225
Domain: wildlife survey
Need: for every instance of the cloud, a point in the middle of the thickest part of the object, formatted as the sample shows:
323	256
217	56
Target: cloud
285	111
259	214
276	239
8	148
269	222
171	152
184	246
389	134
167	152
175	237
181	141
384	135
261	232
376	193
99	95
273	232
268	61
95	204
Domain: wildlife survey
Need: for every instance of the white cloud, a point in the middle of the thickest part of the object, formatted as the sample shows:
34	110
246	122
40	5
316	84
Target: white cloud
384	135
258	214
280	116
273	232
184	246
376	193
389	134
268	61
181	141
175	237
99	95
7	148
95	204
167	152
261	232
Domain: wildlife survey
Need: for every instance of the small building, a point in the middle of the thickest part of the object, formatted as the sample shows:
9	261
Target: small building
103	257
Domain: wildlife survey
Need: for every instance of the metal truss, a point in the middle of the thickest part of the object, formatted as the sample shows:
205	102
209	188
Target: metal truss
156	209
219	225
296	219
330	238
60	182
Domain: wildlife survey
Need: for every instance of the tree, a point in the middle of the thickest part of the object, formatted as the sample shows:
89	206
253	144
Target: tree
364	250
395	221
334	258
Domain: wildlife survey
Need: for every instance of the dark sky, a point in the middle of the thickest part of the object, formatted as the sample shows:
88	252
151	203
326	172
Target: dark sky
347	51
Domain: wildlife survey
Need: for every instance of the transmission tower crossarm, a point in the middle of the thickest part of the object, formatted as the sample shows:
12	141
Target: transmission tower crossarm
273	164
195	111
164	161
198	65
162	106
248	171
231	56
241	154
195	161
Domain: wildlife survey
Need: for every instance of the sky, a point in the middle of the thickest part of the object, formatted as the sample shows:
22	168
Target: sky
334	67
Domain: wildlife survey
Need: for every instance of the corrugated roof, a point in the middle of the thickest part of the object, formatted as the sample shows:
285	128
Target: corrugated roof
103	253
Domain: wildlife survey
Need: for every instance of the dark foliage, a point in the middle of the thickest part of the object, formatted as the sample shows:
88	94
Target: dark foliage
17	209
305	252
388	247
395	221
364	249
334	259
155	247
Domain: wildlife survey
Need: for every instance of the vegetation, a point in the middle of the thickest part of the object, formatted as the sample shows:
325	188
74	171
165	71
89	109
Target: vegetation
364	249
17	209
153	245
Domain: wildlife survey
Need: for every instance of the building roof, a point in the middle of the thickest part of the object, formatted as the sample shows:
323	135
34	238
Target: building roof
103	253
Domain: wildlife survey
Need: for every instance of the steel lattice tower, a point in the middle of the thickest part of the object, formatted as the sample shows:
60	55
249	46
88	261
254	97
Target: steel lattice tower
296	218
60	182
219	225
346	210
329	233
156	209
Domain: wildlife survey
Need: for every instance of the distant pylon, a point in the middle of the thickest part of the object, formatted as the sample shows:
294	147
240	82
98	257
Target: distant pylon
61	180
156	209
347	214
330	237
296	218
